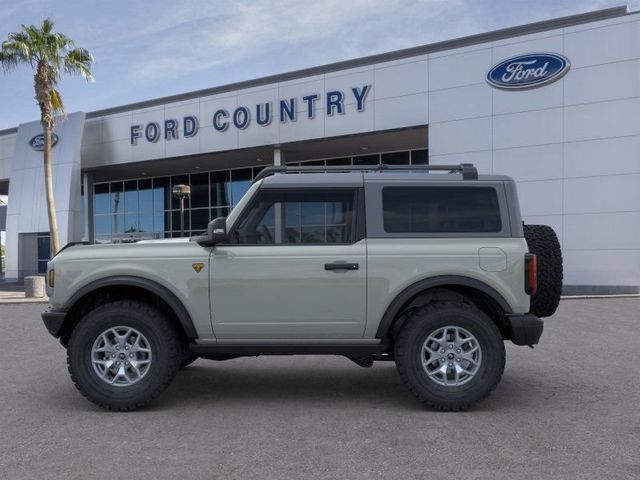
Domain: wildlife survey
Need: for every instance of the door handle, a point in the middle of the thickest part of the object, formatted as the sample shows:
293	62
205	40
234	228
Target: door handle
341	266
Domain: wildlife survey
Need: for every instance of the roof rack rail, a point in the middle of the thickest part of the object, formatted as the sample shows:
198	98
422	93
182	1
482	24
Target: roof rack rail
468	170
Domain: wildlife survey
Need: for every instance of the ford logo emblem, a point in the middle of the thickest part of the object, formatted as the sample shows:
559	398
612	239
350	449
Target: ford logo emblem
528	71
37	142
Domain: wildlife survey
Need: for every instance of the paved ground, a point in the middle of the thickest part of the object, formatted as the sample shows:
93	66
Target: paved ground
13	292
568	409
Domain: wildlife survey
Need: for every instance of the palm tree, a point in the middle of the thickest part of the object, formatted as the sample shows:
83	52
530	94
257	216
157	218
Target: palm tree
50	55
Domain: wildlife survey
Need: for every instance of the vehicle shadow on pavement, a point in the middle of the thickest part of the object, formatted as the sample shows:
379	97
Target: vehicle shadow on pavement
313	382
250	384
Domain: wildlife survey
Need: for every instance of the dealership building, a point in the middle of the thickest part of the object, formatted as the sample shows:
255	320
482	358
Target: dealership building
553	104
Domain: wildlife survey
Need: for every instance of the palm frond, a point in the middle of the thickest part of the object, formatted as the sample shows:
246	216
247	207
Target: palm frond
19	40
10	60
18	48
78	61
35	35
63	42
47	26
56	101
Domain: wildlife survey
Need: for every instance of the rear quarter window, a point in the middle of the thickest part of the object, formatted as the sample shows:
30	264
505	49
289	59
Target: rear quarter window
434	209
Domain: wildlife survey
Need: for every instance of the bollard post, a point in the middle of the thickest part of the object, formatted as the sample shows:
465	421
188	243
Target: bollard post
34	287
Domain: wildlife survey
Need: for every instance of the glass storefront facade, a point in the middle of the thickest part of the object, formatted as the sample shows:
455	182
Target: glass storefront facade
144	208
404	157
44	250
130	210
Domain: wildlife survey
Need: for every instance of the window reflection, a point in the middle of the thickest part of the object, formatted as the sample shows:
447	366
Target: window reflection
161	196
116	197
145	196
130	210
101	199
220	188
131	196
240	183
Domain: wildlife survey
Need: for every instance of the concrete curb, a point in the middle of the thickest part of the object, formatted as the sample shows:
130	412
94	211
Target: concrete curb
586	297
21	300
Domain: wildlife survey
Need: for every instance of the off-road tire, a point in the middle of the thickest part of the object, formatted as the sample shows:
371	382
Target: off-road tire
150	322
428	319
543	242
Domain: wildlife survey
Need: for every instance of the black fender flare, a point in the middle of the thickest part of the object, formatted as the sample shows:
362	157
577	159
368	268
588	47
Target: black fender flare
151	286
409	292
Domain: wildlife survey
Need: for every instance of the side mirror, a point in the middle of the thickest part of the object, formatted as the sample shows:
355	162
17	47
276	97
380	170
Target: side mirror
217	230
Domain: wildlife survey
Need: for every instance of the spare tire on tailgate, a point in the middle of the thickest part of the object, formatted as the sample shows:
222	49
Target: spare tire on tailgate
543	242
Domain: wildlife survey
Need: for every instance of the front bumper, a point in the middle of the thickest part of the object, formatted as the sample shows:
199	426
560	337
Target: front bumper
525	329
54	320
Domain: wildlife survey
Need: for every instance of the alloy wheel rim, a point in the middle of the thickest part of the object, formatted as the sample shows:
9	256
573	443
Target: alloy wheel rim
451	356
121	356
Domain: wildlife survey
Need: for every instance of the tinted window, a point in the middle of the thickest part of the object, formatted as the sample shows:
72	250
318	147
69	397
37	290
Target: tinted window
290	217
44	251
367	160
440	210
419	157
199	190
396	158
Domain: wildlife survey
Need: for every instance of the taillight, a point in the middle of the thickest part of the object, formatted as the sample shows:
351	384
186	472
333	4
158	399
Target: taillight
530	274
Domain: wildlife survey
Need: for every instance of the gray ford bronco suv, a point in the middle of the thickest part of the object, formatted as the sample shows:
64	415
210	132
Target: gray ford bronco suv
427	266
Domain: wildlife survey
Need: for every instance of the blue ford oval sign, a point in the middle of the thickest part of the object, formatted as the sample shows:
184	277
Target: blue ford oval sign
37	142
528	71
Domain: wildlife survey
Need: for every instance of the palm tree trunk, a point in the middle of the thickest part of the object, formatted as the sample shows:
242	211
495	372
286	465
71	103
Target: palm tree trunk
51	204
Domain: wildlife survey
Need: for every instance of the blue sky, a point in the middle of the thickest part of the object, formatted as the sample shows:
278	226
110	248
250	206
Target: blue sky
148	49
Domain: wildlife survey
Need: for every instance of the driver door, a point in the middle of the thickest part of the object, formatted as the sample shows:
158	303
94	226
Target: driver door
294	268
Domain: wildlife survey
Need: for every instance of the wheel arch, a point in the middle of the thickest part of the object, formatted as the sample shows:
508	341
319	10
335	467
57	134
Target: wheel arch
455	287
125	286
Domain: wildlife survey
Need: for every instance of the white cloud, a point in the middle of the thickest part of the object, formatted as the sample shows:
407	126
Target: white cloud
200	40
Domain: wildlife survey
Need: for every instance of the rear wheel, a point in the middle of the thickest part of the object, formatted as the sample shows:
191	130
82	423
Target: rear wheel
450	355
123	354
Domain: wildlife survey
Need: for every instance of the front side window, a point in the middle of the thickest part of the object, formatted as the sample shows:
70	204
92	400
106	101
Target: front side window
436	209
298	217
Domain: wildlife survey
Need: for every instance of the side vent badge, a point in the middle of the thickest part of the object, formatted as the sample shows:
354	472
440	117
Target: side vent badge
197	266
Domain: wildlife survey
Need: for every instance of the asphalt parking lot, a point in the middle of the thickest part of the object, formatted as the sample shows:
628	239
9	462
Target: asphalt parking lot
568	409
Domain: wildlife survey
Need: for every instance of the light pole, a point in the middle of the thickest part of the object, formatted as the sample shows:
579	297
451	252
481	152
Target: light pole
181	192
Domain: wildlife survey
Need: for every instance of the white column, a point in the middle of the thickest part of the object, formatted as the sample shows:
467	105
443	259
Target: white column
278	157
88	195
27	211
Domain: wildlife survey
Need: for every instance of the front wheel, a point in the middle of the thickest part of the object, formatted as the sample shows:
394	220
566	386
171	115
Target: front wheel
450	355
123	354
